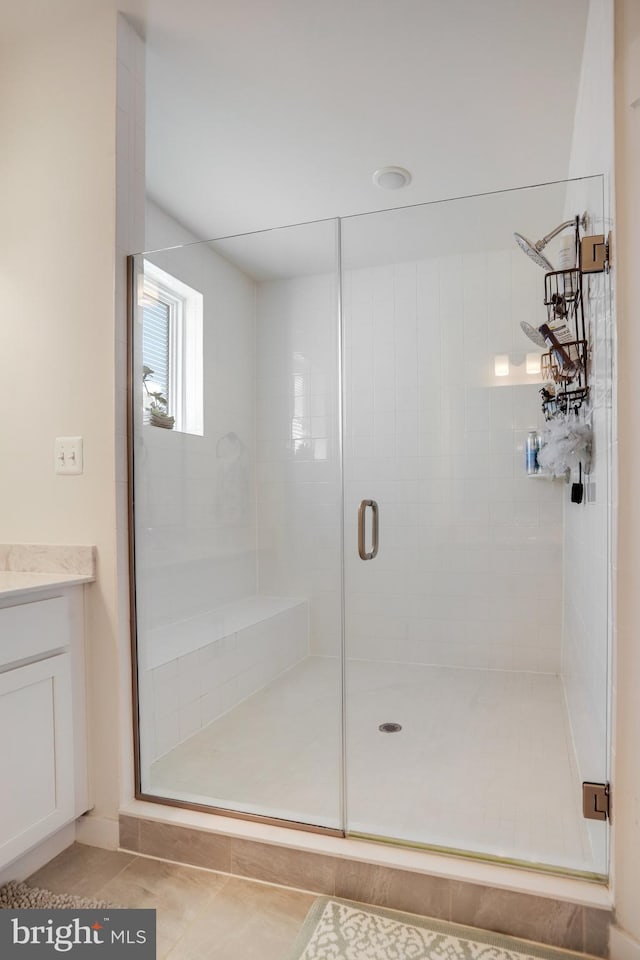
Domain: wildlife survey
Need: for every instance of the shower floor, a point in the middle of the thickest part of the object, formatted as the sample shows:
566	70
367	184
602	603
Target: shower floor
484	761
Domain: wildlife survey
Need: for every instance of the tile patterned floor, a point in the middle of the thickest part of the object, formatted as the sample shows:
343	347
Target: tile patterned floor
200	915
471	769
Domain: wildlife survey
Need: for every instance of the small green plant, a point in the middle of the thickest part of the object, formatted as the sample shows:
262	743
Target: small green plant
158	402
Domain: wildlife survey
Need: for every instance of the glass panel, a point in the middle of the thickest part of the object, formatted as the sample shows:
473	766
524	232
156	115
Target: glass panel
238	540
479	632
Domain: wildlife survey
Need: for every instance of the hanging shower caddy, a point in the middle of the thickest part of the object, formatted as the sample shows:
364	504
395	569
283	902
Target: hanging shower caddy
566	364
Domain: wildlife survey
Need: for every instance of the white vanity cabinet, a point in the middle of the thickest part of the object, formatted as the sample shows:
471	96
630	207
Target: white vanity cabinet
43	769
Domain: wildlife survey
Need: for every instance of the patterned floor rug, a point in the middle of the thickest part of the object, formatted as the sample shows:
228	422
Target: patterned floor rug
340	930
19	896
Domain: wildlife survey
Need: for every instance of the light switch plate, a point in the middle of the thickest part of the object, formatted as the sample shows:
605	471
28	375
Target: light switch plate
68	455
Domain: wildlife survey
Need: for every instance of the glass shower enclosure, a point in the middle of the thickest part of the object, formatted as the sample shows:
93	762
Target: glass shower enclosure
355	609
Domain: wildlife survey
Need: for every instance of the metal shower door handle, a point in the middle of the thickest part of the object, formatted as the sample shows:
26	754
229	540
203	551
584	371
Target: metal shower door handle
374	529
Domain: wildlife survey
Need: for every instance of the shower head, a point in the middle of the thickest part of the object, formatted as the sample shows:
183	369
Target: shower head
531	250
534	335
534	250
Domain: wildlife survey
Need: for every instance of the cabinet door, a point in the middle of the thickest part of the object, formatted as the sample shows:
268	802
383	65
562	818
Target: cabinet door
36	754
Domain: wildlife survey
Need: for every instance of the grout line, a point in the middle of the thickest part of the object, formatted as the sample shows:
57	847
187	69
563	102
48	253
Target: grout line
120	872
233	876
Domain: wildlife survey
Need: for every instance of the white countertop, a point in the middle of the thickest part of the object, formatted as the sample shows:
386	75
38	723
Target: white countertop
27	568
14	583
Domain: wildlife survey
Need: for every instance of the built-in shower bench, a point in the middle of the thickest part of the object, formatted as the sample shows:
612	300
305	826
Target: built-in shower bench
200	667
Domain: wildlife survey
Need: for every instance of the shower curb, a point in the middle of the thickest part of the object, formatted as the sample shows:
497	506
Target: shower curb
558	923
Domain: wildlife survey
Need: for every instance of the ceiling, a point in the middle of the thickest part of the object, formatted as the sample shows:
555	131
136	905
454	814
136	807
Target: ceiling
452	228
269	112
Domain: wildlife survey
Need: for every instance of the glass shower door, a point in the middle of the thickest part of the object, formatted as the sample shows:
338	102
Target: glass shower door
237	525
476	596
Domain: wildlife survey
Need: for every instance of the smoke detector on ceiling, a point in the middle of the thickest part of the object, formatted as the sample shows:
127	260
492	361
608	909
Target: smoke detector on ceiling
392	178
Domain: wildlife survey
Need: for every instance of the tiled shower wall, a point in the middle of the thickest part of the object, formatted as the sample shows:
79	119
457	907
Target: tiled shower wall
587	604
588	610
195	509
298	465
470	565
590	549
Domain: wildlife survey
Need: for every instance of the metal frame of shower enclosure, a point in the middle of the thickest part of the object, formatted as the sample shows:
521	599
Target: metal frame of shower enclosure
139	793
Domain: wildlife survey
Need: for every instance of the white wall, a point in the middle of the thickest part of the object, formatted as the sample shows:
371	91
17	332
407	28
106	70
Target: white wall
592	141
130	229
587	608
626	770
57	248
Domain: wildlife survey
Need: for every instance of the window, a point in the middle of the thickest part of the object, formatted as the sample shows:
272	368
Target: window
156	317
171	314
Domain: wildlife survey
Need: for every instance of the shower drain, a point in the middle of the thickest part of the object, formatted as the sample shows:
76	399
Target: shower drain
390	727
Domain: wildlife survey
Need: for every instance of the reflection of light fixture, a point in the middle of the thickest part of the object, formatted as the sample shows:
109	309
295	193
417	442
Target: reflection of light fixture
148	291
534	250
532	363
392	178
501	365
145	291
320	449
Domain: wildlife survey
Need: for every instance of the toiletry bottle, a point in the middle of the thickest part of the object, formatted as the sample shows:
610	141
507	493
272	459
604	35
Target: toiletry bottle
553	338
532	448
567	282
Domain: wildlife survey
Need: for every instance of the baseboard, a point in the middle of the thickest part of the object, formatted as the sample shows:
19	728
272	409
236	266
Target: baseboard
35	858
97	832
622	946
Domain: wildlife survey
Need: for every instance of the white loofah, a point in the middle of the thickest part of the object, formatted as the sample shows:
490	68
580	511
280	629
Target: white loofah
566	442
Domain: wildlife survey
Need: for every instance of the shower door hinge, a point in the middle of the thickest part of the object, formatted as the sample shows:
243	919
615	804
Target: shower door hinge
596	800
595	253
